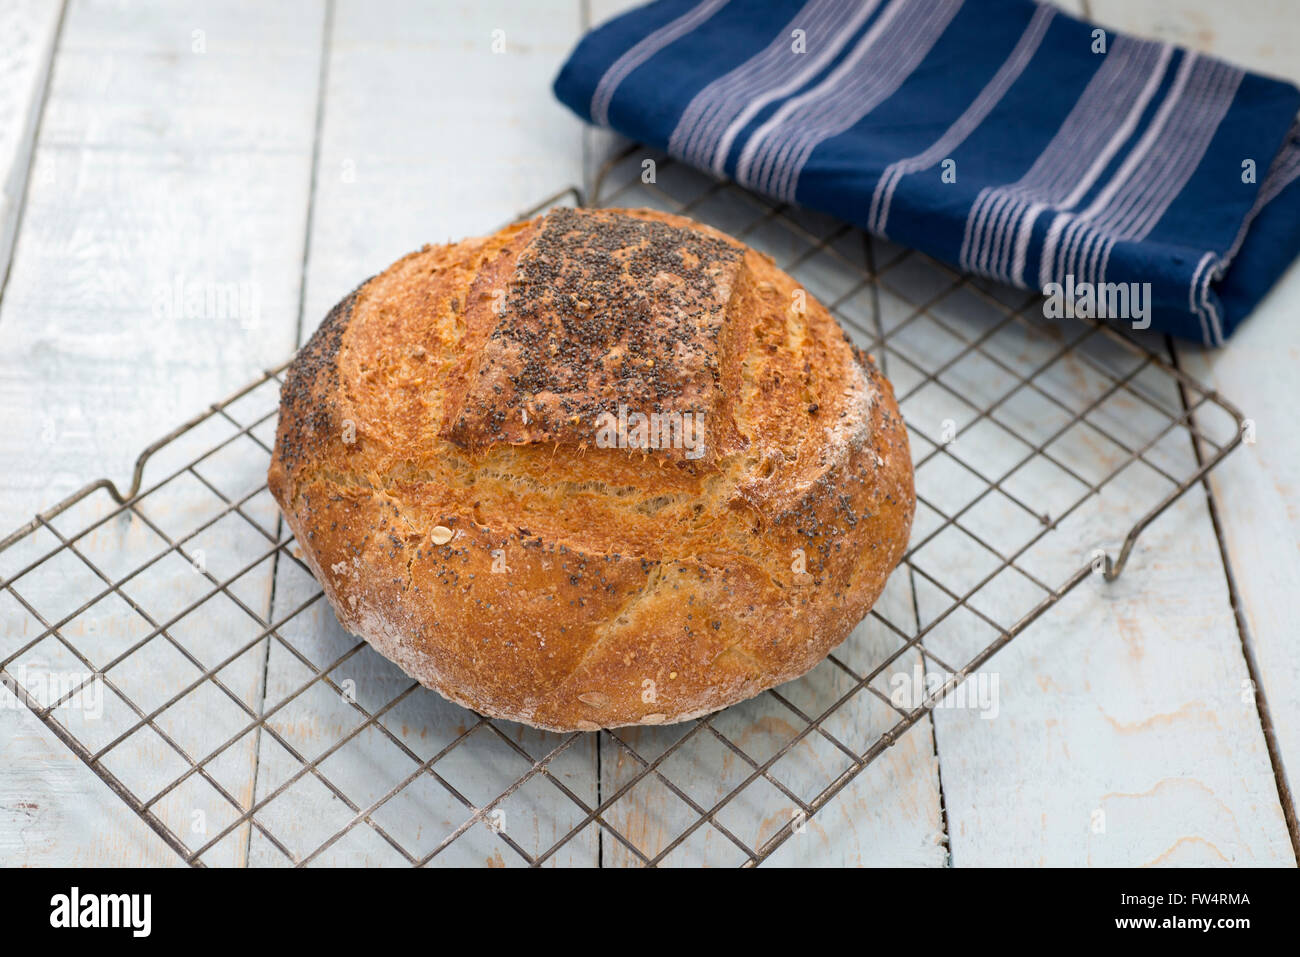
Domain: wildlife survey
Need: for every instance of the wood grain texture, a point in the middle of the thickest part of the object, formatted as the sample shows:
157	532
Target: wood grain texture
1256	495
54	811
1123	736
172	168
1255	490
29	28
466	138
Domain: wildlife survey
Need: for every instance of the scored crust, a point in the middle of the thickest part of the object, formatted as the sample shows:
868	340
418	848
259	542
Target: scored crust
440	462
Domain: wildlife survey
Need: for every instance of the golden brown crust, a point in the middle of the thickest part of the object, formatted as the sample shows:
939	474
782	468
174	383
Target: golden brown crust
438	459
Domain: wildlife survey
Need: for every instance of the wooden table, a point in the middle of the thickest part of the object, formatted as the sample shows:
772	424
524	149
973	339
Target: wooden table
294	147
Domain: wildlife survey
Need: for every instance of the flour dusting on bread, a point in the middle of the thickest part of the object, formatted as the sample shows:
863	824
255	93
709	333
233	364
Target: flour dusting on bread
604	467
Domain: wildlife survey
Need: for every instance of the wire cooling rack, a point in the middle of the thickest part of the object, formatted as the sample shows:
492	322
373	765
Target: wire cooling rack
171	636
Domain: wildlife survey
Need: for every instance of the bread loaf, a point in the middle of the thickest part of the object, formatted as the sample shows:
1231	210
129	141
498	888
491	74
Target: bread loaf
601	468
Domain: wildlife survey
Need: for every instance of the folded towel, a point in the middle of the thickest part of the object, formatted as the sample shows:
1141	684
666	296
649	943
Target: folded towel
1002	136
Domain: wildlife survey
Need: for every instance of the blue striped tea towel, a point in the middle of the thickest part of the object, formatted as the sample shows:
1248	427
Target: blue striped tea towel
1002	136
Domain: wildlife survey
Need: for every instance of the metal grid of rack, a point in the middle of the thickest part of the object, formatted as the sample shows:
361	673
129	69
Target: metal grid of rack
171	636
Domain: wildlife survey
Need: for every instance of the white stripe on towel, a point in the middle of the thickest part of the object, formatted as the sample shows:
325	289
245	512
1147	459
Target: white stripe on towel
1153	175
968	122
1001	220
715	116
643	50
878	64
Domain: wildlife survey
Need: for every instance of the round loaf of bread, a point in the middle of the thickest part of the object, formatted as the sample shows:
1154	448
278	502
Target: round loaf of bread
604	467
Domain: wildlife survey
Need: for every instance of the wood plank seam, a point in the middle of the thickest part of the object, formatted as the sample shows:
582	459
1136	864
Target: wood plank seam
1243	632
23	179
321	90
322	80
870	255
